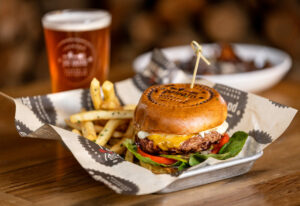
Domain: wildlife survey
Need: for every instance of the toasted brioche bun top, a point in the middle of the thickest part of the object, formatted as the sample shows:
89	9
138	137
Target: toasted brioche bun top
178	109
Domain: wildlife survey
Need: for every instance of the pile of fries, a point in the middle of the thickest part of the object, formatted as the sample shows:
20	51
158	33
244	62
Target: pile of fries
110	124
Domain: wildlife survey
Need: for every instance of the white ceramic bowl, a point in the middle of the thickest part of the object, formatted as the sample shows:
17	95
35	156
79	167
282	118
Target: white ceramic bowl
253	81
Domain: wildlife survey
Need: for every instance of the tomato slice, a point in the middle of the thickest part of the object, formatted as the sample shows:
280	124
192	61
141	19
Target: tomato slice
158	159
225	138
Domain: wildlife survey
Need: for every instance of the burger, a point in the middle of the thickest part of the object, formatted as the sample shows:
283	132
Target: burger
175	121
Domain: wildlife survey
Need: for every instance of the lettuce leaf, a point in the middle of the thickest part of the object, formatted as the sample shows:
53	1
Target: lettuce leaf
230	149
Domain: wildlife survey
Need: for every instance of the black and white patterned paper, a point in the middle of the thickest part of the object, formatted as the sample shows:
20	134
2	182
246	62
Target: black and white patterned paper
43	117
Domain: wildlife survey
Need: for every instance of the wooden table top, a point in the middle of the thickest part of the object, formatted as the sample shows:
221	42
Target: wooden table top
43	172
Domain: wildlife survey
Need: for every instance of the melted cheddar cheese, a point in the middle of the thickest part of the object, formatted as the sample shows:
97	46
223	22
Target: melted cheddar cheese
166	142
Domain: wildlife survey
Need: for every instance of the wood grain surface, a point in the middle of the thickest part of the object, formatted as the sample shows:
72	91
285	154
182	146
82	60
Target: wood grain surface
43	172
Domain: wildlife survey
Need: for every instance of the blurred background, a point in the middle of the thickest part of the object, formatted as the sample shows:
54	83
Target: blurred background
140	26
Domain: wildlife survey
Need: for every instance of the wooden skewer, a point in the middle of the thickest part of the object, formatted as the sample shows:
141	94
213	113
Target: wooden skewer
198	50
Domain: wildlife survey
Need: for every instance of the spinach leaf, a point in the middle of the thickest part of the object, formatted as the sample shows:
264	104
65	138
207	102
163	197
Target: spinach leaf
133	149
183	166
230	149
223	148
196	159
180	158
235	144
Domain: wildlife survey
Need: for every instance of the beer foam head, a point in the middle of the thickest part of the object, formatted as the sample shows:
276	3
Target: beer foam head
76	20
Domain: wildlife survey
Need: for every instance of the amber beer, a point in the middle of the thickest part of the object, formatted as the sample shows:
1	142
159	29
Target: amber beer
78	44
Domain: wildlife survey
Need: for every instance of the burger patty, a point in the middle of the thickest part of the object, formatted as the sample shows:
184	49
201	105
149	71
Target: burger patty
196	143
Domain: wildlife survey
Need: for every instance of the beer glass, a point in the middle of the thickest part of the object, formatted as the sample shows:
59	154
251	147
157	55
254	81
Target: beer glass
78	46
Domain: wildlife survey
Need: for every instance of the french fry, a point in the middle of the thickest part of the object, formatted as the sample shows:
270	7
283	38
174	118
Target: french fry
101	114
130	130
77	126
117	134
76	131
107	131
98	128
129	156
72	125
96	93
129	134
82	122
113	141
110	99
88	130
129	107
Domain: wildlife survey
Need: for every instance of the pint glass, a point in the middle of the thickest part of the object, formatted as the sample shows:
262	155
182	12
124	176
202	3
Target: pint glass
78	45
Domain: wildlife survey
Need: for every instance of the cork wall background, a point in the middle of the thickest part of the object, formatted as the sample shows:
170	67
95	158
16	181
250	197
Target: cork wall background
140	26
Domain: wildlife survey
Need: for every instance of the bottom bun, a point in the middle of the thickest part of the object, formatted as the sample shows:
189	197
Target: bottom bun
157	169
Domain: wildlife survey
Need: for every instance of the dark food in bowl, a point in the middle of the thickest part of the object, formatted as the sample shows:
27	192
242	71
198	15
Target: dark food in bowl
225	61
